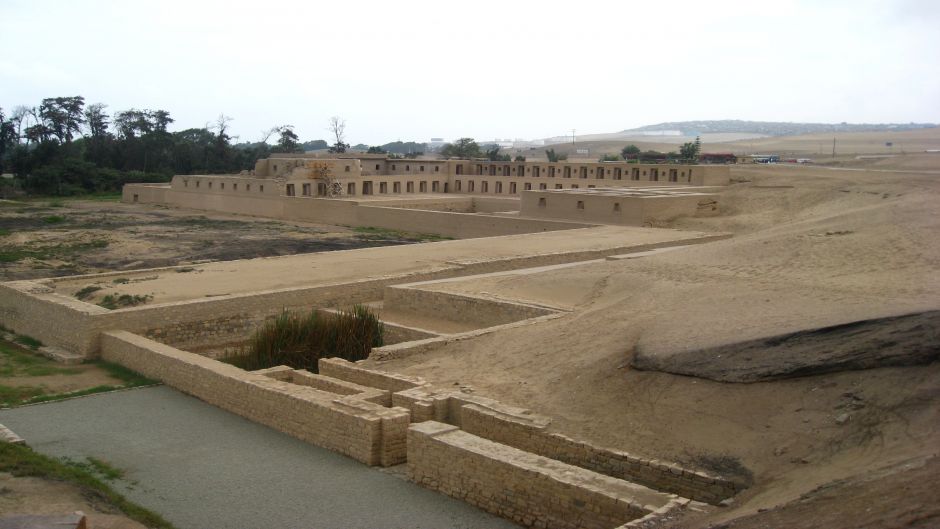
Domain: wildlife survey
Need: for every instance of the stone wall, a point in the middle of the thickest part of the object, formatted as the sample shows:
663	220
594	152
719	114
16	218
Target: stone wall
531	490
365	431
457	225
350	372
524	430
32	308
476	311
532	436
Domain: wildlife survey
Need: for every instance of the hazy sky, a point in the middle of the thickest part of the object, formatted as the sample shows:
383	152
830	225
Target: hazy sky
412	70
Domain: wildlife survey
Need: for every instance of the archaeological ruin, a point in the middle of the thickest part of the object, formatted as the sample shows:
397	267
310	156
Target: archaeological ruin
505	218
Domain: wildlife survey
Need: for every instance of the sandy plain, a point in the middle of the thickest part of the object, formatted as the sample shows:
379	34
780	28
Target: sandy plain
812	247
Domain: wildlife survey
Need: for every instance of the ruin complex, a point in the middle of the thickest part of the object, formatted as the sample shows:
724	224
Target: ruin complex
509	217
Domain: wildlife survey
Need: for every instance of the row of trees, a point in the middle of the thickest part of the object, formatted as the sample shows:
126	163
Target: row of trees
63	146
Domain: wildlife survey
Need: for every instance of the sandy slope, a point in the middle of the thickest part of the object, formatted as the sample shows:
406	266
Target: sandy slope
812	247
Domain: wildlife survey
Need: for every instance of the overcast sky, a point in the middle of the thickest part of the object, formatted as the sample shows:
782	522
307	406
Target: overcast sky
415	70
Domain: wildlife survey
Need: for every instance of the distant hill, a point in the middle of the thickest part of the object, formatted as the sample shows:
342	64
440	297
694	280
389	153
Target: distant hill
772	128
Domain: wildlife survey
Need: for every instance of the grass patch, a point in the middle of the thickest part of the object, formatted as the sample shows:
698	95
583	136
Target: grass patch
299	340
97	467
121	281
121	301
87	291
16	362
12	254
28	341
130	379
4	232
22	461
185	269
371	233
12	395
55	204
53	219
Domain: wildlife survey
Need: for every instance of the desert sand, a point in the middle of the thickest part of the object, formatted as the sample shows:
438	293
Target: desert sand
812	247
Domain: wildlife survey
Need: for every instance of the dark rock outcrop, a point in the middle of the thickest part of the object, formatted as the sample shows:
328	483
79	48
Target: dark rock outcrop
911	339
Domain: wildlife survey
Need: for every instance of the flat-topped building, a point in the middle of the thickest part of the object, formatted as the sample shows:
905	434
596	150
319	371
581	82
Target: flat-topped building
627	206
282	186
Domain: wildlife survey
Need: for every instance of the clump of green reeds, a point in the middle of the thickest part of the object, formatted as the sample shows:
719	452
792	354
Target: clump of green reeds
300	340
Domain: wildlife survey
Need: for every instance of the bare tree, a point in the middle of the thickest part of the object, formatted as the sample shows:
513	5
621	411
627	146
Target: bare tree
266	134
338	128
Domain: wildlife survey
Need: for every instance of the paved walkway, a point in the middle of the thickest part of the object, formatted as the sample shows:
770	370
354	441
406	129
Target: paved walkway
202	467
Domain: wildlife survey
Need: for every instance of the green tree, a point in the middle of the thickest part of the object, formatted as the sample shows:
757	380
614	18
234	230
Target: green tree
629	150
287	140
519	158
609	158
689	151
98	140
63	116
376	150
462	148
8	139
493	155
555	157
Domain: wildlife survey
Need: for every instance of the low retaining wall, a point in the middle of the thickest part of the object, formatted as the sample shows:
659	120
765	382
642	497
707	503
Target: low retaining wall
524	430
532	436
528	489
367	432
476	311
31	308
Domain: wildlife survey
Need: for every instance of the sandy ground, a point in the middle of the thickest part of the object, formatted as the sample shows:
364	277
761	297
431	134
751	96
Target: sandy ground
233	277
44	497
815	146
69	237
811	247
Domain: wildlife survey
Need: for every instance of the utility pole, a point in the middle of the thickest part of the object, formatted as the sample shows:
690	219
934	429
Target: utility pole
572	136
833	147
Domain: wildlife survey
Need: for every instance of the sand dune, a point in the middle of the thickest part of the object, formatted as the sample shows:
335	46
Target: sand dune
812	247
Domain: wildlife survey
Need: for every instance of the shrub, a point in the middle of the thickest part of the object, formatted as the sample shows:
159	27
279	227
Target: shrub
299	340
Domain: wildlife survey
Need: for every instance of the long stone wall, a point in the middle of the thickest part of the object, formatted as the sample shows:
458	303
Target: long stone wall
365	431
476	311
32	308
532	436
519	428
531	490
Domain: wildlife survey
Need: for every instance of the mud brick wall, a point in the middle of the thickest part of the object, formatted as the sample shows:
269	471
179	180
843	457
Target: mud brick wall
350	372
531	490
32	309
477	311
529	435
367	432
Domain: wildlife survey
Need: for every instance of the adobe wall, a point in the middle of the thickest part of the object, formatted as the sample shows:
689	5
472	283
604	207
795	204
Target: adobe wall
206	322
521	429
367	432
145	193
527	434
616	209
457	225
476	311
529	489
32	309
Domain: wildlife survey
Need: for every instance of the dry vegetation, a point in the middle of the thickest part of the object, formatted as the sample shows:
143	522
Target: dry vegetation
48	238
